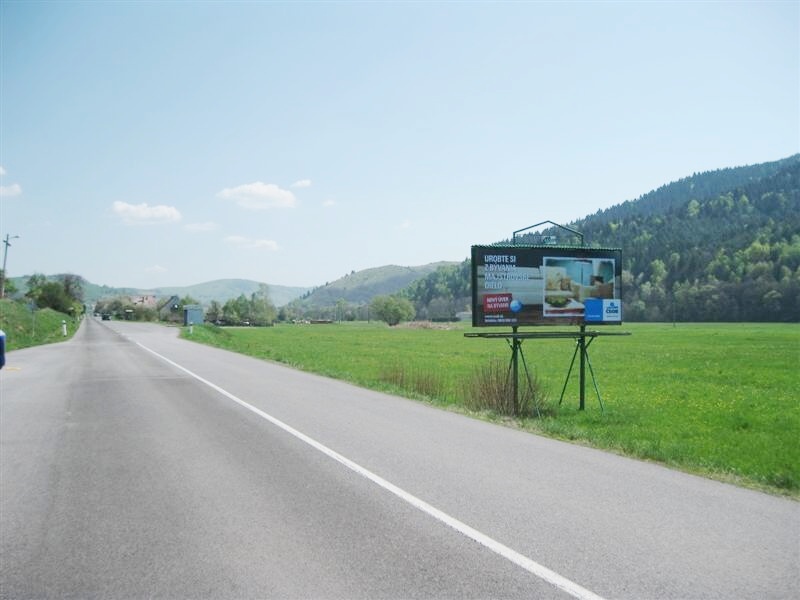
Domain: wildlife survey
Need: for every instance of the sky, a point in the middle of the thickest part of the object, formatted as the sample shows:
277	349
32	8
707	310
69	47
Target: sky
150	144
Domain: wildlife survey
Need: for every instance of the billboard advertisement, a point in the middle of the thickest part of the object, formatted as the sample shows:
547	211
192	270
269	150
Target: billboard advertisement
546	285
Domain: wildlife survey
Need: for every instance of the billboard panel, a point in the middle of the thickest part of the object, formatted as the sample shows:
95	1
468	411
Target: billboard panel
545	285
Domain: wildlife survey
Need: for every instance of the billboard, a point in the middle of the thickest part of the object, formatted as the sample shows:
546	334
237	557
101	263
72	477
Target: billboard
546	285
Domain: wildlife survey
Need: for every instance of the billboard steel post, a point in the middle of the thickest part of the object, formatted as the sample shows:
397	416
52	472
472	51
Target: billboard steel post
515	370
582	346
515	340
582	343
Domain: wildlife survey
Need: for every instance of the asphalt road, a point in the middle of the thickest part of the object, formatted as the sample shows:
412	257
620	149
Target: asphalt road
134	464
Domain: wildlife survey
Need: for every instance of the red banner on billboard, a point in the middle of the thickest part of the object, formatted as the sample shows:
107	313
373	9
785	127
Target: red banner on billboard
496	303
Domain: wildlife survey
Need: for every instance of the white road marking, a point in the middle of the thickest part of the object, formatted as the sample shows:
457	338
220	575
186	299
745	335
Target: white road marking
570	587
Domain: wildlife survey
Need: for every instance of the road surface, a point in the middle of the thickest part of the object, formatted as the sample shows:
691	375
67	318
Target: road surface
134	464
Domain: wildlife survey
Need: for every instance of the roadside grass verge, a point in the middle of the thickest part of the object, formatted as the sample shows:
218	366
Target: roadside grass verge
718	400
24	328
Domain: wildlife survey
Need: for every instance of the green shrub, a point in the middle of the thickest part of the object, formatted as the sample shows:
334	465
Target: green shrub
24	328
422	382
491	388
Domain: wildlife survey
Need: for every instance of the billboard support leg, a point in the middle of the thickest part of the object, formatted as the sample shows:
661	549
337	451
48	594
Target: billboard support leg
528	380
594	379
569	371
582	346
513	373
515	351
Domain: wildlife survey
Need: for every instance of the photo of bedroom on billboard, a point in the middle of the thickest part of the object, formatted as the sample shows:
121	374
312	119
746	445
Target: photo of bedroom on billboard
570	282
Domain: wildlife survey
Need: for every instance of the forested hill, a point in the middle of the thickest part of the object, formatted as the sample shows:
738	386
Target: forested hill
698	186
359	288
733	255
717	246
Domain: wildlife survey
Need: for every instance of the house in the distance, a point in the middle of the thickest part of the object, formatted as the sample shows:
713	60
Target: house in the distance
168	309
145	301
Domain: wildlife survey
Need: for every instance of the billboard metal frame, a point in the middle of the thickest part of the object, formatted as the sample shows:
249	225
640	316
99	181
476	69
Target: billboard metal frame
515	338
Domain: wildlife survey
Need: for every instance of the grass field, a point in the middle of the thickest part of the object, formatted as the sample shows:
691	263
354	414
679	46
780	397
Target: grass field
719	400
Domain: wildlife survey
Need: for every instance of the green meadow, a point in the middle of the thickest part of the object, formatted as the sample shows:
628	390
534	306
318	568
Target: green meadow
720	400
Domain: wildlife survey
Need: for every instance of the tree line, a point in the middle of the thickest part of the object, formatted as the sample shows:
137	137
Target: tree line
256	309
62	293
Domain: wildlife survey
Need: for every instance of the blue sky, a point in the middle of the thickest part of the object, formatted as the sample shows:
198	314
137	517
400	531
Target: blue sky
170	143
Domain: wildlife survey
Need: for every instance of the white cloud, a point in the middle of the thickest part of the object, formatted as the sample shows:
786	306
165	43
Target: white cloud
245	242
303	183
142	213
10	190
2	171
405	224
329	203
236	240
268	244
198	227
156	269
259	196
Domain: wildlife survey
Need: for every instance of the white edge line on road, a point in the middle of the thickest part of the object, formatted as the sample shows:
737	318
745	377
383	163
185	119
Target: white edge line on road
515	557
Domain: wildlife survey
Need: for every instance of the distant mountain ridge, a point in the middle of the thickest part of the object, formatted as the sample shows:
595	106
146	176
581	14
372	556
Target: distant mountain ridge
355	288
218	289
359	287
225	289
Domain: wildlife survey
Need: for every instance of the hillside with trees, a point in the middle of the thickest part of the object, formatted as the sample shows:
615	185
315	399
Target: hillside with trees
443	294
730	256
716	246
348	298
61	293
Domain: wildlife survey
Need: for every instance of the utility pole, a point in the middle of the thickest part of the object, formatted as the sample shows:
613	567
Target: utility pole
5	258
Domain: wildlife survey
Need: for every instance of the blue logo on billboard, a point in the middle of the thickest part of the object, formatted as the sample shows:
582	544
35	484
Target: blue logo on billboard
593	310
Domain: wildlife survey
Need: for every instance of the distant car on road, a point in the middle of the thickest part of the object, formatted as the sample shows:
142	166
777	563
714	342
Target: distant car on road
106	317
